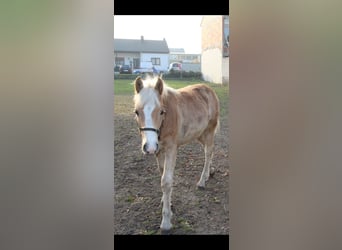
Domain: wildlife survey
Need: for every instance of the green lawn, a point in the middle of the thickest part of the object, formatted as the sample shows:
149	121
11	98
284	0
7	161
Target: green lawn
124	91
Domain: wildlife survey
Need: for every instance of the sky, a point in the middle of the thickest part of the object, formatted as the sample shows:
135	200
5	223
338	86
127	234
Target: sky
178	31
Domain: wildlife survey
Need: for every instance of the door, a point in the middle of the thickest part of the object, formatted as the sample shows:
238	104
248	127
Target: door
136	63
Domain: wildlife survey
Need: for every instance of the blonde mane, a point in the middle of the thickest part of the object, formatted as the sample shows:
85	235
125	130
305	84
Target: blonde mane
148	92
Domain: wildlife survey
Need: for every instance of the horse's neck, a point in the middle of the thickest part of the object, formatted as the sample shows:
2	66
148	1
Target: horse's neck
170	124
170	100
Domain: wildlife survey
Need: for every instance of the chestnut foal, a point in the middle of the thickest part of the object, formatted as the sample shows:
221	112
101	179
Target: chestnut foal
168	118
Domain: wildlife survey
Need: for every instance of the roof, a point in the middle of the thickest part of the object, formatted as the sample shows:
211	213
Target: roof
141	45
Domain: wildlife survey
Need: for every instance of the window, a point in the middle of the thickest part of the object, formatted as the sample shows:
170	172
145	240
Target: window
155	61
119	61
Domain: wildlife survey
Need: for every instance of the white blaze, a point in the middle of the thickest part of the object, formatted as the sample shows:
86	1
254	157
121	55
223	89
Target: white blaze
151	137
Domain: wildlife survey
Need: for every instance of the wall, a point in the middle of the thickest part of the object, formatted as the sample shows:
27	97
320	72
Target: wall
195	67
212	32
211	66
212	60
185	58
225	70
128	57
164	60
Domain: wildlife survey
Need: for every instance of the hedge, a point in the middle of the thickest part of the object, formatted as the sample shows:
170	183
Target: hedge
170	75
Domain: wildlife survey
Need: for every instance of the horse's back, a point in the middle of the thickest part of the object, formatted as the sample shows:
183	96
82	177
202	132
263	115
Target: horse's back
198	107
202	97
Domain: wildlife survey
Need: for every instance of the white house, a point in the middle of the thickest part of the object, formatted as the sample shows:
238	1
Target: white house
140	52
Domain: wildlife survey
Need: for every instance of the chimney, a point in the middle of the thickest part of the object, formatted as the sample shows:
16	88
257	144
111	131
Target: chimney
142	38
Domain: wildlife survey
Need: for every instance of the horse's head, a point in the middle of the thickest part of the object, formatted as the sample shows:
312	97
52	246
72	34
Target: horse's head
149	111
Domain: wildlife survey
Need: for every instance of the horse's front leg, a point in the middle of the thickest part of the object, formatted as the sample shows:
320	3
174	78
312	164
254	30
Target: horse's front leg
166	186
160	157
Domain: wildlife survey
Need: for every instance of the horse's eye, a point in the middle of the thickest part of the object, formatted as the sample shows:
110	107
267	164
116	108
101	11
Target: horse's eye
162	112
136	112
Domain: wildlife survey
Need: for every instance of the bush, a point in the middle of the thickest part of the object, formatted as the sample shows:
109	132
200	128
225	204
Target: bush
187	75
183	74
125	76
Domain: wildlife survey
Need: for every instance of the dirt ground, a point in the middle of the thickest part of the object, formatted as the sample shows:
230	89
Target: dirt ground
137	191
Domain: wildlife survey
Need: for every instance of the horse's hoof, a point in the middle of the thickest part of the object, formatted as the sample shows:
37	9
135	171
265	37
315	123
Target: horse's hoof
165	228
200	187
165	232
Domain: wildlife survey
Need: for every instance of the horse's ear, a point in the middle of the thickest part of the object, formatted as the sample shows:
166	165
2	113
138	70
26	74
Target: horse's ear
159	86
138	85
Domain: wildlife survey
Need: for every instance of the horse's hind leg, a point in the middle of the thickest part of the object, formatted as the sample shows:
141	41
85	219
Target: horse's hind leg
207	139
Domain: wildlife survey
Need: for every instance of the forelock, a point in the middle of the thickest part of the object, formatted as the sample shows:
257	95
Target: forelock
148	94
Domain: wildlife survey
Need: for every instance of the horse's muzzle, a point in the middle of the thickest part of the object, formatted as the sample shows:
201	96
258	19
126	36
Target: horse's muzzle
147	149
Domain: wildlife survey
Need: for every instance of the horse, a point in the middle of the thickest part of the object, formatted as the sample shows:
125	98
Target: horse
168	118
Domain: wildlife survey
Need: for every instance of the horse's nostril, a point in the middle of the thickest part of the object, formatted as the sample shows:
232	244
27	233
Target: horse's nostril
145	147
157	147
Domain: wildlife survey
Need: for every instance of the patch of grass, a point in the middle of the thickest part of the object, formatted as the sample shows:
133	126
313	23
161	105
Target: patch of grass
150	232
216	200
123	87
176	84
184	225
130	198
